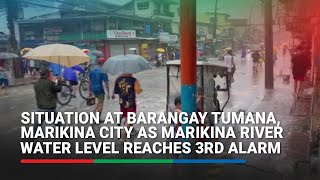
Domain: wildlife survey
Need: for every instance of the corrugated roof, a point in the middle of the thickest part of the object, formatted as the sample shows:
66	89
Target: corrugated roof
117	2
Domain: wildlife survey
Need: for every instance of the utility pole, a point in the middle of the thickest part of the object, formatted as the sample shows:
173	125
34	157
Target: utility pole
188	56
215	24
188	71
11	11
249	26
268	21
159	30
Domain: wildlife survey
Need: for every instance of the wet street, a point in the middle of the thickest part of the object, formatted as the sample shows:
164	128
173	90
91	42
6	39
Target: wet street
247	93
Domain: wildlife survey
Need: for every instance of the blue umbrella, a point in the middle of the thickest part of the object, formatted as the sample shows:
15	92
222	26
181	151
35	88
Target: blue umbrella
56	69
125	64
78	68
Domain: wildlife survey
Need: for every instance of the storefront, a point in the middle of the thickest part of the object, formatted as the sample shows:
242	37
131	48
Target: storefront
120	41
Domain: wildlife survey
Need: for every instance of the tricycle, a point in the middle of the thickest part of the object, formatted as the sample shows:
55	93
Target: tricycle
211	78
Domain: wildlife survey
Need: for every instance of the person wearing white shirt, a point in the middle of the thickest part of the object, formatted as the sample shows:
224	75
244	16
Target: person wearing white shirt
229	61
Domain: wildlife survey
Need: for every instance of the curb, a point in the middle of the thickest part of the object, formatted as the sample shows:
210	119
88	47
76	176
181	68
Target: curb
21	84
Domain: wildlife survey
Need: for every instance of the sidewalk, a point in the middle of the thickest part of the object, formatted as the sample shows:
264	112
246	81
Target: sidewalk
14	82
294	116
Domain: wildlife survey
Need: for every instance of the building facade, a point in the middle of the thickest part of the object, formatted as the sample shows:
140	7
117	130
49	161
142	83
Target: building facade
134	25
4	43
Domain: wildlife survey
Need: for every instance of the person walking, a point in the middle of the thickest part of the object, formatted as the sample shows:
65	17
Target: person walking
262	58
2	63
159	59
127	87
300	66
255	59
32	69
4	82
46	93
243	55
96	81
275	55
229	61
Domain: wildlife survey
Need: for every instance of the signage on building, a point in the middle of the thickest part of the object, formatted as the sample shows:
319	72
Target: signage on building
173	38
168	38
114	34
164	36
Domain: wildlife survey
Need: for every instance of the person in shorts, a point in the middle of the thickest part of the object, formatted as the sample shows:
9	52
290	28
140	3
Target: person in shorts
4	82
96	81
300	66
255	59
127	86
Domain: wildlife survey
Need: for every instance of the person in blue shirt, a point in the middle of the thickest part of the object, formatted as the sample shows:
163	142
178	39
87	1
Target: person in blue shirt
96	81
177	54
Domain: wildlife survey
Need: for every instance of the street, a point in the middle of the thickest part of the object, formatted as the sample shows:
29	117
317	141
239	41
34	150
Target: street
247	93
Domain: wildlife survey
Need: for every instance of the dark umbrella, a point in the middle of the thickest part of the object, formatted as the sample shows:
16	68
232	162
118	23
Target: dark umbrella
97	53
7	55
125	64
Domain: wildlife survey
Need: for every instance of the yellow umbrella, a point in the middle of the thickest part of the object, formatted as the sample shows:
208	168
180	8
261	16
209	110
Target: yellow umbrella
161	50
25	50
63	54
228	49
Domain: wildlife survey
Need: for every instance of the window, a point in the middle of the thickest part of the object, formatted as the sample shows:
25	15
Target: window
166	8
125	24
71	27
97	26
143	5
112	24
157	8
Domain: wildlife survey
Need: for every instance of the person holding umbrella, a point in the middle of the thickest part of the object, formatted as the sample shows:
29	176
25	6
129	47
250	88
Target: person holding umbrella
126	86
96	80
134	50
46	93
229	61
